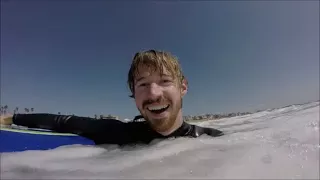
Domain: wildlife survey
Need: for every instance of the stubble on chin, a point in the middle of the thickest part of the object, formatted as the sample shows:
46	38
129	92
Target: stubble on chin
163	125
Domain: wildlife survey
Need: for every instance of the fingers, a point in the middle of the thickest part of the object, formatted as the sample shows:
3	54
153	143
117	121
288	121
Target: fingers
6	120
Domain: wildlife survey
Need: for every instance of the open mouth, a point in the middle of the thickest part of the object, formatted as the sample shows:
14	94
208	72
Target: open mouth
158	109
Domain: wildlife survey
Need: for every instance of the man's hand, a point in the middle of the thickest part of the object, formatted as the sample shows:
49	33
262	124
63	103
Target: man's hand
6	119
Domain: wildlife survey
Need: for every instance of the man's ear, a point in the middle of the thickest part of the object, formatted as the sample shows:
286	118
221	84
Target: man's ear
184	87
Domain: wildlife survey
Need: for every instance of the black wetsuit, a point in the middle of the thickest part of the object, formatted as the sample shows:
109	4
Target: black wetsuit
107	131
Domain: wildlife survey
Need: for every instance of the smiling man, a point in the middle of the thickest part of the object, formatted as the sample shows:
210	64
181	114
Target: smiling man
157	85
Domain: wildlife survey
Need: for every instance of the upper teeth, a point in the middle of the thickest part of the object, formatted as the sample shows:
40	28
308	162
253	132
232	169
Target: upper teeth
158	107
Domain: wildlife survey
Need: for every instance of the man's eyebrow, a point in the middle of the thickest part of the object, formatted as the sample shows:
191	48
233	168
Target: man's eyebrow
162	75
139	79
166	75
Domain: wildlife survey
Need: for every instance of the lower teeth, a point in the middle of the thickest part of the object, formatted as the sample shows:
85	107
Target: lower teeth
158	111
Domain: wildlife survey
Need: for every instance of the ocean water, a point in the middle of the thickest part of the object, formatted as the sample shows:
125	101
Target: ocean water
277	144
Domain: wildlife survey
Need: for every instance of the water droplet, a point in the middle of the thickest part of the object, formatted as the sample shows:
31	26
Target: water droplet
267	159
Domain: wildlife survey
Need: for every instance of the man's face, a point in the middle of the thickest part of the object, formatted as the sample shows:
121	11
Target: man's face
158	97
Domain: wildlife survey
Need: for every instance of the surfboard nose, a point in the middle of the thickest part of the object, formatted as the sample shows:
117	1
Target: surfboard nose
15	140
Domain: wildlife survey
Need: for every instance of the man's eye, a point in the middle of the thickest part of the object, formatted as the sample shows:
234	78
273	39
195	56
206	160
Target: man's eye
143	84
166	81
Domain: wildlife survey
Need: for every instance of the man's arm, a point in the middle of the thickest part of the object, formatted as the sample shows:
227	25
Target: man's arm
59	123
101	131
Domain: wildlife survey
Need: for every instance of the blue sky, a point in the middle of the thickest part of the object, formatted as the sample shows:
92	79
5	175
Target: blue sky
73	56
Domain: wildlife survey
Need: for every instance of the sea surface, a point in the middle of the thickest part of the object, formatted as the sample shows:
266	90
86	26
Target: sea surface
273	144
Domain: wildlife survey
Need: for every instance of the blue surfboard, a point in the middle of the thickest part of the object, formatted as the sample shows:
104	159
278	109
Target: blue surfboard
15	140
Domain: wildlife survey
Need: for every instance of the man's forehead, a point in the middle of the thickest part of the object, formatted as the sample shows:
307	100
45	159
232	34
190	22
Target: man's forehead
145	72
143	69
152	73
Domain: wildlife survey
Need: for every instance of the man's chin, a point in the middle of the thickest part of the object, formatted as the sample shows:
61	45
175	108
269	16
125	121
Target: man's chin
157	120
160	125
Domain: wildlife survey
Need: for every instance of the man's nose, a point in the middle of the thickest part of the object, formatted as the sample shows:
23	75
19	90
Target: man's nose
155	91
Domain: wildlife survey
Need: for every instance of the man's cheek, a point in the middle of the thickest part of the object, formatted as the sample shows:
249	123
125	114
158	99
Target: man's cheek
139	104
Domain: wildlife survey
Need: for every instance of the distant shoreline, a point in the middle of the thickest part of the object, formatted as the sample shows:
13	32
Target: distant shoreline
187	118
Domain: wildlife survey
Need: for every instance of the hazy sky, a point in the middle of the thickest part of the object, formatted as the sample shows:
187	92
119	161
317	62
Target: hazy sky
74	56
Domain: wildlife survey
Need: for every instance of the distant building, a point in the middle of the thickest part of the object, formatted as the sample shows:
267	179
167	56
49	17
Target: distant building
109	117
138	118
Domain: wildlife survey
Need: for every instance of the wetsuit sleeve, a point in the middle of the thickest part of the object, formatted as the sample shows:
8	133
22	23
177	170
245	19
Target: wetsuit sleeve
195	131
198	131
213	132
101	130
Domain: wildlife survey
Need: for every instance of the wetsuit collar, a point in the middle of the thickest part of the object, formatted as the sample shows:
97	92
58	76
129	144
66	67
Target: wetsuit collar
183	130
